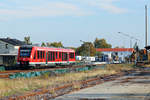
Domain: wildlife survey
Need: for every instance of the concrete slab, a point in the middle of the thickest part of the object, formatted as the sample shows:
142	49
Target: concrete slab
132	87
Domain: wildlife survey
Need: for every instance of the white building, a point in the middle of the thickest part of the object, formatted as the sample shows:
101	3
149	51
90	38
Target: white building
121	53
85	58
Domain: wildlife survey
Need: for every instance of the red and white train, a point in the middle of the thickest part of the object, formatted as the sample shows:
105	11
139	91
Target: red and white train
44	56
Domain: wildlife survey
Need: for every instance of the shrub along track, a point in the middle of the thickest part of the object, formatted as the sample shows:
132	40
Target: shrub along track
7	73
46	94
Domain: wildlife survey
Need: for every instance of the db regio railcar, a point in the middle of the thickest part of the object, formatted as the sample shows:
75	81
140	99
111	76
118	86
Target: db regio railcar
32	56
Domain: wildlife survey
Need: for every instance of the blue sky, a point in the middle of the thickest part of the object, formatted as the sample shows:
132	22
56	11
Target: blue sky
70	21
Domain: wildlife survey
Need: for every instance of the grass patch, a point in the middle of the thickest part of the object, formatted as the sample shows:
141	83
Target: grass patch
147	65
20	86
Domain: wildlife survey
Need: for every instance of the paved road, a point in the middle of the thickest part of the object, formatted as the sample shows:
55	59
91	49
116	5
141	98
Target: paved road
135	86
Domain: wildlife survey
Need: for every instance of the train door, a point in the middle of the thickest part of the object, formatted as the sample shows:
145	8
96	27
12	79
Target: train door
55	56
60	55
35	56
46	57
68	57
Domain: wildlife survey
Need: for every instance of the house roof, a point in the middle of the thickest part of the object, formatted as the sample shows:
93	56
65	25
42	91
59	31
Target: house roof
115	49
12	41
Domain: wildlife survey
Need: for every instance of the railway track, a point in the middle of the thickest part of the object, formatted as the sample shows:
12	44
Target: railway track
5	74
46	94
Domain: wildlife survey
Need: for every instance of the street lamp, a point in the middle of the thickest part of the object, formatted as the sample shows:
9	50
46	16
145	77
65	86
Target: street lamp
131	37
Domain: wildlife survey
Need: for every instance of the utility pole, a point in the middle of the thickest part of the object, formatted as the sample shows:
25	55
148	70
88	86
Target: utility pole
146	27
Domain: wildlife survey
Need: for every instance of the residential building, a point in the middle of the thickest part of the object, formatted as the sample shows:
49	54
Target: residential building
9	50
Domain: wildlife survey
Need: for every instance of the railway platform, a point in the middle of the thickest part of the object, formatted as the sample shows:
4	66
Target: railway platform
135	86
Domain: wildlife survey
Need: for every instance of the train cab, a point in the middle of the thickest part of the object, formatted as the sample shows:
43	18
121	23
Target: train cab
24	55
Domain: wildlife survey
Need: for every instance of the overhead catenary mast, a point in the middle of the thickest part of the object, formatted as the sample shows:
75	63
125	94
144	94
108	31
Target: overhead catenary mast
146	27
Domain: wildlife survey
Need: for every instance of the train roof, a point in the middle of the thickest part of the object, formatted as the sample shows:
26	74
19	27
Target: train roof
49	48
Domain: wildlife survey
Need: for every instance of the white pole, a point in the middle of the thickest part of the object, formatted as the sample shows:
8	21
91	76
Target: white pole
146	27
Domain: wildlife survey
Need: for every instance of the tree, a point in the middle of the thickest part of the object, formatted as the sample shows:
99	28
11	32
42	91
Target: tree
43	44
86	49
48	44
54	44
72	48
119	47
99	54
27	40
101	43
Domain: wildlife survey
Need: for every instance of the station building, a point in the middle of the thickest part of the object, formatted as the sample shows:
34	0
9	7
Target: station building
9	50
112	53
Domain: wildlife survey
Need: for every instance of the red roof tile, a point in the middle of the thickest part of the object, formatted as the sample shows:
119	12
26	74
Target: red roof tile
114	49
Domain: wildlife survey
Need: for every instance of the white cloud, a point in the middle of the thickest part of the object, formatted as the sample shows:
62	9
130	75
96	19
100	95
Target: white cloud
113	9
45	8
42	10
107	5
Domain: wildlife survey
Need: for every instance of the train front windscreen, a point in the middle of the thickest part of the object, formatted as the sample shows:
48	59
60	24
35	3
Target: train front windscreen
25	52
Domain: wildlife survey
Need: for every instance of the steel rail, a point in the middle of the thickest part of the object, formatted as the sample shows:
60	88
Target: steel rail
84	84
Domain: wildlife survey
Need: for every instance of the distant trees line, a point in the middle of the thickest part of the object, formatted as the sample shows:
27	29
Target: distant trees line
86	48
48	44
53	44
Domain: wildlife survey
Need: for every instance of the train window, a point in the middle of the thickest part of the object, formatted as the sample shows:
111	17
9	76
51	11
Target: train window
34	55
53	56
65	56
71	55
38	54
60	55
41	53
56	55
49	55
25	52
